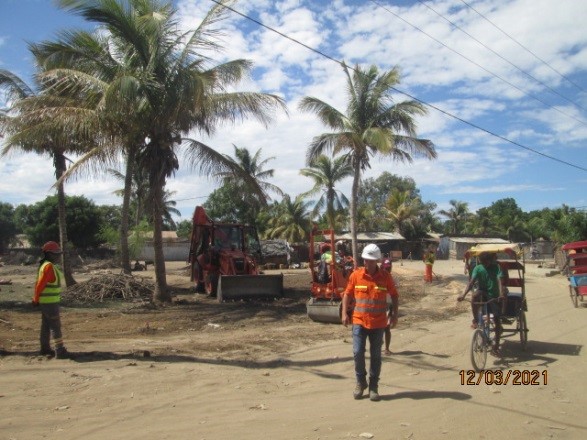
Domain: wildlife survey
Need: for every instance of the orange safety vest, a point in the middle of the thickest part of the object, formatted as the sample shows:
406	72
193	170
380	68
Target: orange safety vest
51	294
370	295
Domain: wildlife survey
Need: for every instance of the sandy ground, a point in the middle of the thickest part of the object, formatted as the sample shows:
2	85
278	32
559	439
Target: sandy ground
202	370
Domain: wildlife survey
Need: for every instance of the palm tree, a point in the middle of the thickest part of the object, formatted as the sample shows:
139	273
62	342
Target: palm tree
326	173
168	75
90	67
33	126
292	222
402	209
456	214
372	124
254	168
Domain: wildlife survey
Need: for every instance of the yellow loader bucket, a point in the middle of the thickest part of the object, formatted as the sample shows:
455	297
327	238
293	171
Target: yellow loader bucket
249	287
324	310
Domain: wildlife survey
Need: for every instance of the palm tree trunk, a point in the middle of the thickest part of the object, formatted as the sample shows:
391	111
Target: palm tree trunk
124	221
60	168
161	294
354	199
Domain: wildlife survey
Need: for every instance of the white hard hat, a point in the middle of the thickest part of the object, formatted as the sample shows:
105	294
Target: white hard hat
371	252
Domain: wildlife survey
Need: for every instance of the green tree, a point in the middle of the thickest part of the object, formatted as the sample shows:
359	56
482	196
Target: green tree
40	221
292	222
177	90
224	204
254	168
7	226
373	124
184	229
326	173
403	210
34	123
457	215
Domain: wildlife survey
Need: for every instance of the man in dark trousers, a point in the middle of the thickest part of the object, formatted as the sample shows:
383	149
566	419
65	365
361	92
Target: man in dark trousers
369	288
48	297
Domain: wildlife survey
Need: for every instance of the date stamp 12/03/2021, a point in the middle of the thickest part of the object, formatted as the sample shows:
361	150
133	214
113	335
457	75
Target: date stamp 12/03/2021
504	377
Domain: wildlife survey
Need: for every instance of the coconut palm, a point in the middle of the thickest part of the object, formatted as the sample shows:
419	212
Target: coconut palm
253	167
177	90
326	173
457	215
372	125
402	209
292	222
32	125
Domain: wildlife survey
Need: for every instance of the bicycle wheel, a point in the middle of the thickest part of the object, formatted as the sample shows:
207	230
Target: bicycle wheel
478	350
522	328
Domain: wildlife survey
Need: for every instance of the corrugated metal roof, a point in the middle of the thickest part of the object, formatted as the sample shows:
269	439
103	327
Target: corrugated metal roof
478	240
371	236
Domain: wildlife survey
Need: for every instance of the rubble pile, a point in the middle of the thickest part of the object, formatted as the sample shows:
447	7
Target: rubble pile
110	287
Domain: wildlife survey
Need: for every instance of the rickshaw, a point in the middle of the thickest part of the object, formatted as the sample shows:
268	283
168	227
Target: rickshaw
510	258
576	269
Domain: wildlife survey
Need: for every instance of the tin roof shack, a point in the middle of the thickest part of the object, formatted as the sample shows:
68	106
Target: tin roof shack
455	246
390	243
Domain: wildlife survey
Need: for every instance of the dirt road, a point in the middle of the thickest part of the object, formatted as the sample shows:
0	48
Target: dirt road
268	372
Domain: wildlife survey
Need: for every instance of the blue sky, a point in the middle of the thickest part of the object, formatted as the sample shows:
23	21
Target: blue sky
514	68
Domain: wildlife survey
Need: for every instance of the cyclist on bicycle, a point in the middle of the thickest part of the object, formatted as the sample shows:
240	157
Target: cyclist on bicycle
488	276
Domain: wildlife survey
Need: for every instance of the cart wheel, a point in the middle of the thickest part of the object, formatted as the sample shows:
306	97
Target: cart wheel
523	329
479	348
574	296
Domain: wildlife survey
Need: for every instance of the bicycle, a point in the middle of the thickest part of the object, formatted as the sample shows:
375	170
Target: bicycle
484	335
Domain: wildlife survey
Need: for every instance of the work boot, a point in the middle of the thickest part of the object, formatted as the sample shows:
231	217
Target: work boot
374	394
47	352
358	393
62	353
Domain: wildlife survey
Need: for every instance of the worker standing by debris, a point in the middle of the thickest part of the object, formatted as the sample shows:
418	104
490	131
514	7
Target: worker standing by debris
48	296
369	287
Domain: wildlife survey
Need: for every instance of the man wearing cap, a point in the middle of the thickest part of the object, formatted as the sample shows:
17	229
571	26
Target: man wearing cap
368	288
48	296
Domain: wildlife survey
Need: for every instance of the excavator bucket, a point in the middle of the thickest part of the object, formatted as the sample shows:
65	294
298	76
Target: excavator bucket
249	287
323	310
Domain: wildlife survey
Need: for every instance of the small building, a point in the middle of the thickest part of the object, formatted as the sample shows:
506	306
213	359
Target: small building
390	243
455	246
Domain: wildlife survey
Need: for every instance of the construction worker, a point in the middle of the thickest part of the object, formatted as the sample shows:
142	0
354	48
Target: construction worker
428	259
369	288
47	297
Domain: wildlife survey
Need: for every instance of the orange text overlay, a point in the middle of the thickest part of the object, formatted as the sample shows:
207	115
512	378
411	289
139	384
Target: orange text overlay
504	377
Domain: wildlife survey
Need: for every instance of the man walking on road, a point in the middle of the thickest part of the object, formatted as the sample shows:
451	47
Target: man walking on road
369	287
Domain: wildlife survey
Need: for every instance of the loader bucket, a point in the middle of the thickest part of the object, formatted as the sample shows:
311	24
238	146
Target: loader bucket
249	287
323	310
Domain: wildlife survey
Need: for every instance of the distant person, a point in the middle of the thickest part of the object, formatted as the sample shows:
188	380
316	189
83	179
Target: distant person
48	297
387	265
428	259
369	288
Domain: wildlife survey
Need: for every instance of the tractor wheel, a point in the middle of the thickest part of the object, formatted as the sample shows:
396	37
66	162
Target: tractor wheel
211	284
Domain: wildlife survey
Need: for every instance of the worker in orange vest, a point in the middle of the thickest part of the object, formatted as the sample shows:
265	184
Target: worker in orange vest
428	259
369	288
48	297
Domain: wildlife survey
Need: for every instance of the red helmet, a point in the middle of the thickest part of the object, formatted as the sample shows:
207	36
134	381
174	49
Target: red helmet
52	247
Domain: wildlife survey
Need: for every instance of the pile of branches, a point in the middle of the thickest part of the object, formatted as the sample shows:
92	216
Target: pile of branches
110	287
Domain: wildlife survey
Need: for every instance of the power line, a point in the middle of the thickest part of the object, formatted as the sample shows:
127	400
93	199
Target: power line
502	57
477	64
523	47
400	91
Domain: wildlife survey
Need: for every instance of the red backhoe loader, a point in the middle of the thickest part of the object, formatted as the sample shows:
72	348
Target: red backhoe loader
328	280
224	261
